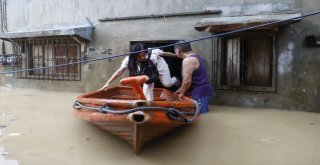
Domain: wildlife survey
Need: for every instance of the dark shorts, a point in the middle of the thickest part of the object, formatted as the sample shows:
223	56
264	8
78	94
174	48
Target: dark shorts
204	101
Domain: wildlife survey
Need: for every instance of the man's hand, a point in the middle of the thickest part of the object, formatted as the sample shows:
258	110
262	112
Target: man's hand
179	94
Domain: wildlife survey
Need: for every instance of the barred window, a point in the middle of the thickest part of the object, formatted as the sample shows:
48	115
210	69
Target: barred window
47	54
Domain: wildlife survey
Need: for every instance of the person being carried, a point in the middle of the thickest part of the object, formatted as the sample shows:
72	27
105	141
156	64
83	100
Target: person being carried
137	64
195	80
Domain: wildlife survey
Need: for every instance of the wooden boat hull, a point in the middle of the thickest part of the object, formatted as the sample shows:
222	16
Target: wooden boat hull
138	127
135	133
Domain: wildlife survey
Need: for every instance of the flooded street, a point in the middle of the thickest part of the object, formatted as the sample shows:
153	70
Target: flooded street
38	128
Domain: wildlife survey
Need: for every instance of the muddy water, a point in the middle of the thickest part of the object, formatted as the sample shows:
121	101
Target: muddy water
38	127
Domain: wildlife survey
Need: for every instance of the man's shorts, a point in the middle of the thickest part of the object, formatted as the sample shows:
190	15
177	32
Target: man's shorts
204	101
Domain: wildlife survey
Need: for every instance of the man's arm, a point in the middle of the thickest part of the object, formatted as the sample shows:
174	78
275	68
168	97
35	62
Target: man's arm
168	54
188	66
160	52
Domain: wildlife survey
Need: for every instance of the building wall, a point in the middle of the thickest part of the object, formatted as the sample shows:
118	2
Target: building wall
114	35
297	69
298	66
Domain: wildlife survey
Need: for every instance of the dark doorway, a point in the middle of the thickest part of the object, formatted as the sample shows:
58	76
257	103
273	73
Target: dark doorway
173	62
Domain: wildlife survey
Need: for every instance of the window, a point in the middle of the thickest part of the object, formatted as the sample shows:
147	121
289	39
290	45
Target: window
49	52
245	62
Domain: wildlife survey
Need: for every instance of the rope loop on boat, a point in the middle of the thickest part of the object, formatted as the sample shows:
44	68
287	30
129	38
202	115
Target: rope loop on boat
172	113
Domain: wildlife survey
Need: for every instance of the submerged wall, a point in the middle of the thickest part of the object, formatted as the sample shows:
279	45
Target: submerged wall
297	79
114	35
298	71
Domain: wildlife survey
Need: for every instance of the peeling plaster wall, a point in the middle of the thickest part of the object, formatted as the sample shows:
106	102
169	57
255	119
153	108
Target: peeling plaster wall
285	60
115	35
298	71
39	12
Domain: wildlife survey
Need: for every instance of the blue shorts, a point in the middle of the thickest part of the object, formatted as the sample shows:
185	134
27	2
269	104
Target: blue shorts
204	101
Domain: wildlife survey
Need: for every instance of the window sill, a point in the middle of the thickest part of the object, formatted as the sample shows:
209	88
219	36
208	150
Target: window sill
246	88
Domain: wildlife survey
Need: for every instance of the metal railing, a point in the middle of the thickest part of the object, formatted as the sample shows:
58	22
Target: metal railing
47	52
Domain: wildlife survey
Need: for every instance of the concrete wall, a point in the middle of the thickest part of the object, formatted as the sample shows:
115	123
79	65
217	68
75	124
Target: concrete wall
298	69
39	13
107	35
298	66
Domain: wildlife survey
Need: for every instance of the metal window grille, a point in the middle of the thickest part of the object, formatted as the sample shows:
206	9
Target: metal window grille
46	53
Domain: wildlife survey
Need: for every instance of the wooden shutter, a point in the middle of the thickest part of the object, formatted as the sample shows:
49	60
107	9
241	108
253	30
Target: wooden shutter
259	53
233	62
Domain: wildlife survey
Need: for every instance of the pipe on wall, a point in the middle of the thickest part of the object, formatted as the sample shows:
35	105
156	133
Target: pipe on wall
161	15
3	12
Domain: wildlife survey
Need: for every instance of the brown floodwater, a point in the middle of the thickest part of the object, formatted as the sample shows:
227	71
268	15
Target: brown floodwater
38	128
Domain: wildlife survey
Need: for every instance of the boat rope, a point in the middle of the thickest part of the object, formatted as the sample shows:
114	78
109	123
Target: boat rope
165	46
172	113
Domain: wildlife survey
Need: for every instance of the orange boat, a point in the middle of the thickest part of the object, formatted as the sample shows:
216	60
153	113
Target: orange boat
124	111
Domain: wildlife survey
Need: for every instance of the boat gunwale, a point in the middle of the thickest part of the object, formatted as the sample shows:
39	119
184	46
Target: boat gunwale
122	104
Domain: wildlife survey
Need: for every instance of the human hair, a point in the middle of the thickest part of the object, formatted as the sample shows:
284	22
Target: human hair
132	64
183	46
